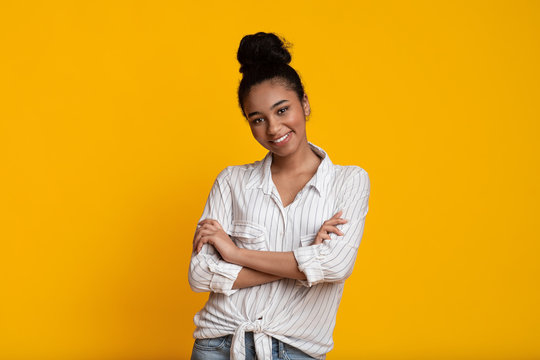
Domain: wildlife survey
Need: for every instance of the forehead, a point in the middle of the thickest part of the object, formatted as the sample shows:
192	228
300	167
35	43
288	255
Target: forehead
262	96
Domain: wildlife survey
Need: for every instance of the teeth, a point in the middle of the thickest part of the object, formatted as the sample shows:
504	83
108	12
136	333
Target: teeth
281	138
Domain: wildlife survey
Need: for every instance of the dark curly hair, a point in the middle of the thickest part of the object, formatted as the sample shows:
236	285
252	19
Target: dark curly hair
264	56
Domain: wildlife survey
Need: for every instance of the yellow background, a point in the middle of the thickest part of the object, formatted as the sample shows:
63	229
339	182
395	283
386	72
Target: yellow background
116	116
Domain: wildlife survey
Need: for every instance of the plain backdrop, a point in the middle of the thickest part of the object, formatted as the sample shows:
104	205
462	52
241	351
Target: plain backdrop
116	117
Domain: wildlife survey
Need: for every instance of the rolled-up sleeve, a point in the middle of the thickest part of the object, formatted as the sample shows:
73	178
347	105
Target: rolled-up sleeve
333	260
207	270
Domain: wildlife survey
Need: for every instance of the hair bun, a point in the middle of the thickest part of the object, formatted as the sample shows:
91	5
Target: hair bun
262	48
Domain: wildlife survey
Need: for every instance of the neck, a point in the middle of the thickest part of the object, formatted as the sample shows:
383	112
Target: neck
302	160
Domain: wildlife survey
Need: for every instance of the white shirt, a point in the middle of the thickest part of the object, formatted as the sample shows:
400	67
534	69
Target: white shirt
245	201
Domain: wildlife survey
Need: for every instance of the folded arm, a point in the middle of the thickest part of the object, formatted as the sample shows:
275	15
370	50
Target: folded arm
249	277
263	265
208	271
333	260
220	266
330	259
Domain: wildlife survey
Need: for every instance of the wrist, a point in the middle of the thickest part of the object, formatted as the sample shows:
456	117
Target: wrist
235	256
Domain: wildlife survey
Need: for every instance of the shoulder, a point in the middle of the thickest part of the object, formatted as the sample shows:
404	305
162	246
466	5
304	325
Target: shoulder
236	173
347	171
351	178
345	176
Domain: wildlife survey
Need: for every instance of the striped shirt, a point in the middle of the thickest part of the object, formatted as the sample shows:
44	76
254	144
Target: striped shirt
301	313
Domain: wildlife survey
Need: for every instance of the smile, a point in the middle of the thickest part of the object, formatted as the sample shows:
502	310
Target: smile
281	139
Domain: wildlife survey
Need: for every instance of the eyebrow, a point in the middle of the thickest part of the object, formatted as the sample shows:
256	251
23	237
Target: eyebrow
273	106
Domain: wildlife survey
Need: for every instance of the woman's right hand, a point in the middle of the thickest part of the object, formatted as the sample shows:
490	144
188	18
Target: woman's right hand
209	231
329	226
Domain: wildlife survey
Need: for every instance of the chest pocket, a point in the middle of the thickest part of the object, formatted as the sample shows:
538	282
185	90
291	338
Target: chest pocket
249	235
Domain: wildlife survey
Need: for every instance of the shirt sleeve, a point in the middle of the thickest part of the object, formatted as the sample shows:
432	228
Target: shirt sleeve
207	270
333	260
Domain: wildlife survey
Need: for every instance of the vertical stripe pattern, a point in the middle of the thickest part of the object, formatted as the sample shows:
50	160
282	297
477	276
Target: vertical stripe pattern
301	313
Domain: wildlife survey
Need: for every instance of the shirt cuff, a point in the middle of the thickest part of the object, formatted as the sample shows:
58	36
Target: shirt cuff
225	275
309	262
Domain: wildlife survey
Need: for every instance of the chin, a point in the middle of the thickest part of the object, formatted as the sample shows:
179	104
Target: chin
285	151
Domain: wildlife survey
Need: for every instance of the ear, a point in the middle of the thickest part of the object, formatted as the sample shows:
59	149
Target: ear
305	105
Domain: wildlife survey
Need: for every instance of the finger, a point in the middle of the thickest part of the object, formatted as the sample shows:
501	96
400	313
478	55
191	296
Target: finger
325	237
321	236
196	241
195	244
210	222
333	229
209	226
214	227
197	236
197	247
335	221
206	220
338	214
200	234
202	241
204	232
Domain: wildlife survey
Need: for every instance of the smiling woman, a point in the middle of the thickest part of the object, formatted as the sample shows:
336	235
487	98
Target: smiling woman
278	237
278	117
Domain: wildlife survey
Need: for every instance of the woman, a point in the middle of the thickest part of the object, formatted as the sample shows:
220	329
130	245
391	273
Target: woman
277	237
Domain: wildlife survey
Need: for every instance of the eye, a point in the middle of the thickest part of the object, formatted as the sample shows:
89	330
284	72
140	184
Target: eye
257	121
282	110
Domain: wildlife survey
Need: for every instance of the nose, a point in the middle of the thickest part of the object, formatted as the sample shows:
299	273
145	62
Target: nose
273	127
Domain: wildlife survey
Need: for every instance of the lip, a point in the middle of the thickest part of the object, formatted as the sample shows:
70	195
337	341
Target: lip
284	141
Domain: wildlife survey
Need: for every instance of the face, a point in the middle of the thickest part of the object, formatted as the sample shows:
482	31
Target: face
277	117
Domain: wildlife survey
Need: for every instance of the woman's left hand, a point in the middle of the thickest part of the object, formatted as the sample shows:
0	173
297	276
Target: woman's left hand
330	226
209	231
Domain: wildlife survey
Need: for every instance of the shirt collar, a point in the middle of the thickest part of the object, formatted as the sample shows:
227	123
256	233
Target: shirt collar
261	176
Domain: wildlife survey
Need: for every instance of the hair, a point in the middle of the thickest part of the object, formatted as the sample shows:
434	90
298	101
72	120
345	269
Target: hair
264	56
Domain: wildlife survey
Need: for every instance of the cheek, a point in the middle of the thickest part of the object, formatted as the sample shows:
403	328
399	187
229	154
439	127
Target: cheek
299	121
